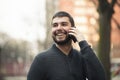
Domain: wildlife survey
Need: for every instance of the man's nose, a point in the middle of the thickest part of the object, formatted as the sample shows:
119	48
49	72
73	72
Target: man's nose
59	27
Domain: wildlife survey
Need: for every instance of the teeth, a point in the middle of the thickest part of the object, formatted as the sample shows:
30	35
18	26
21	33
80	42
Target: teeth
60	34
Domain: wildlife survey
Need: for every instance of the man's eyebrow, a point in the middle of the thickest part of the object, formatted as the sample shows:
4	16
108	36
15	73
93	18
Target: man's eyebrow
64	22
59	22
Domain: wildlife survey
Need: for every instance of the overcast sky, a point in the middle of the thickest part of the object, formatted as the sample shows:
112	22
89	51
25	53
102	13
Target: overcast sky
23	19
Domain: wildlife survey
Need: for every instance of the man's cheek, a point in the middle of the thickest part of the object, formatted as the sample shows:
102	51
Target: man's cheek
53	32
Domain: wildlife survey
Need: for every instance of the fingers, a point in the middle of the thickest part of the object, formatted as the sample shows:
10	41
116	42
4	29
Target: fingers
73	31
76	33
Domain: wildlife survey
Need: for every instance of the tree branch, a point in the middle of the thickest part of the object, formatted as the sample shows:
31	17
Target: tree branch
118	25
113	3
103	6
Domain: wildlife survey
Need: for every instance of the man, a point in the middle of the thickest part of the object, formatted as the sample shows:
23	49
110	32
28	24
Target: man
62	61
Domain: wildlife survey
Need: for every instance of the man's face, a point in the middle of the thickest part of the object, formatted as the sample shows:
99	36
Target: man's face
60	28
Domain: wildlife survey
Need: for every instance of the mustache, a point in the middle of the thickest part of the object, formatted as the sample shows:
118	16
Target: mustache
63	31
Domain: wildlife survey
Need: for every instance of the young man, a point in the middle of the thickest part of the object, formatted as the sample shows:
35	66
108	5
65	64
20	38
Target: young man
62	61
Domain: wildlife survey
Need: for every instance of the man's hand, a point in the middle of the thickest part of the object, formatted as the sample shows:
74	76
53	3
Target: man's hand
78	35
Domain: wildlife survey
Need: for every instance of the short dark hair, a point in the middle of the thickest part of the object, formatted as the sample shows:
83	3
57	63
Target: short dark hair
64	14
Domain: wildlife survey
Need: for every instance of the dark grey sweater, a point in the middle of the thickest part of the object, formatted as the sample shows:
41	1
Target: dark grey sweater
53	64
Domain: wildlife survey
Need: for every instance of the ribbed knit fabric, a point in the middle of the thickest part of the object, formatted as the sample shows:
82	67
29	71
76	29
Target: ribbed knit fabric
53	64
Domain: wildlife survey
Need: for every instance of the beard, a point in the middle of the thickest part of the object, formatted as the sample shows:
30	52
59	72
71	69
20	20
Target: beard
63	42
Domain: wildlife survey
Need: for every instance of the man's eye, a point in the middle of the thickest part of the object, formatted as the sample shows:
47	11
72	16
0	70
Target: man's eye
64	24
55	25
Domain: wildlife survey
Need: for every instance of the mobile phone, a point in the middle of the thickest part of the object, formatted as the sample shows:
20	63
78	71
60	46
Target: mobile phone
73	38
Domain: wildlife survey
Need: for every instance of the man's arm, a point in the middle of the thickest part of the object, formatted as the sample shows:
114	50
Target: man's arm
93	68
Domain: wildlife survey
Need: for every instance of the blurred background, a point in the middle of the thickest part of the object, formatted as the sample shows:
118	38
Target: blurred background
25	31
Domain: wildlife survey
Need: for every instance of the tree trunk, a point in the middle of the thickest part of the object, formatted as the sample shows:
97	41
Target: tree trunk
105	14
104	46
104	42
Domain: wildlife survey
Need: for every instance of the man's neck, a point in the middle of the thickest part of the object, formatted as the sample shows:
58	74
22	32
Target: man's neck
66	48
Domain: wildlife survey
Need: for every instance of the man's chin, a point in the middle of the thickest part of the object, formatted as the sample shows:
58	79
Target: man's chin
62	42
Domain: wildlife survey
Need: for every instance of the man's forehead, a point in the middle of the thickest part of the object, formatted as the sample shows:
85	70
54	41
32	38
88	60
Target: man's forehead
60	19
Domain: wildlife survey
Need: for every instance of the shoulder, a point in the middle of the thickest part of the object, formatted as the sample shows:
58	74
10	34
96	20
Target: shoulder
40	59
42	54
45	54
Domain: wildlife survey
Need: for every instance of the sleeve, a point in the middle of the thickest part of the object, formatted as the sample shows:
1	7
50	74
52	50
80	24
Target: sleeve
93	68
37	70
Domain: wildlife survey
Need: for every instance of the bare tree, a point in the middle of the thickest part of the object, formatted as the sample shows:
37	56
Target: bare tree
105	9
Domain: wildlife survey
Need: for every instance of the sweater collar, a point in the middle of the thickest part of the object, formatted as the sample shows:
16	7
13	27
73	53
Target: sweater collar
58	51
